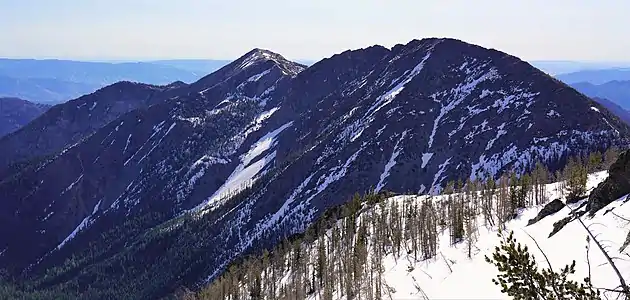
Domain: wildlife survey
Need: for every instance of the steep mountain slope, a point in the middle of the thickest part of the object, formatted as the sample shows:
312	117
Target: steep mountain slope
257	150
15	113
147	161
70	122
384	249
615	91
44	90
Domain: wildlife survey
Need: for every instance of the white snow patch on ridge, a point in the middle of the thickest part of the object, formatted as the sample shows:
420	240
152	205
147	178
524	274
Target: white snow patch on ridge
426	157
278	215
458	93
240	178
258	121
72	185
553	113
263	144
158	143
500	132
436	187
390	163
246	172
386	98
337	173
203	163
84	224
127	144
258	76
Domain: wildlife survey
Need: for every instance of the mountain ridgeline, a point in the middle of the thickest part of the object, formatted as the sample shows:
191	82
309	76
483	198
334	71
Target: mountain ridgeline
68	123
15	113
168	194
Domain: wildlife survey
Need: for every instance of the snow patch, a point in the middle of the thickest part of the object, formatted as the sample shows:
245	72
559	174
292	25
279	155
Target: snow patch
84	224
500	132
246	172
72	185
436	187
258	76
426	157
390	163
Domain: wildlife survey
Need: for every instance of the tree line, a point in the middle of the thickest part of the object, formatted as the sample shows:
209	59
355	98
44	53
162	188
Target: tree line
342	253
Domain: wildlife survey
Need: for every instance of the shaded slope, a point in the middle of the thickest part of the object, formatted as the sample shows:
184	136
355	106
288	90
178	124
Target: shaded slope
15	113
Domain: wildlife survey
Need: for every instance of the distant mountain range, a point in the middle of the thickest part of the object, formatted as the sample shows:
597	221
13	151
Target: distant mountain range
615	91
69	122
200	66
613	107
55	81
15	113
95	72
596	76
43	90
206	66
556	67
607	83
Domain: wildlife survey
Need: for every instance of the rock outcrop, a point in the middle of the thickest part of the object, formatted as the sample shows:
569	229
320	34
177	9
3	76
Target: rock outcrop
615	186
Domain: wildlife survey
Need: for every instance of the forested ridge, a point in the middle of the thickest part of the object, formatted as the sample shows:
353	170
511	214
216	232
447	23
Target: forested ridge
342	252
341	255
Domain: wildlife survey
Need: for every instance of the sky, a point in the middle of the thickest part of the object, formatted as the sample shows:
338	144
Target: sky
584	30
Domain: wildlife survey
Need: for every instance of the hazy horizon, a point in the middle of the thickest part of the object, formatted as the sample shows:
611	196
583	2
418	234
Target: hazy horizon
195	29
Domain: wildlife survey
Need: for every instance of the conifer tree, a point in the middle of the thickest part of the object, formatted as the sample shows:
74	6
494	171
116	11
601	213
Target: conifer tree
428	231
520	278
488	196
576	176
595	160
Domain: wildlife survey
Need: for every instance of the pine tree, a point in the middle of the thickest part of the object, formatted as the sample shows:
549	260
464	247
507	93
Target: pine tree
517	198
456	218
520	278
471	227
540	177
595	160
488	195
428	230
576	175
503	209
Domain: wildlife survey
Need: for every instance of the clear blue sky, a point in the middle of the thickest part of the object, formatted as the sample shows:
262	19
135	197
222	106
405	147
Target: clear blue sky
305	29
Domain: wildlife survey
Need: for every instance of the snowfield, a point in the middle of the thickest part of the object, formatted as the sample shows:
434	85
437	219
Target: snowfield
452	275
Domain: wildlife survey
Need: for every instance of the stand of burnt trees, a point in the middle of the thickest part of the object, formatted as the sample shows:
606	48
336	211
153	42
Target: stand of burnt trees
343	254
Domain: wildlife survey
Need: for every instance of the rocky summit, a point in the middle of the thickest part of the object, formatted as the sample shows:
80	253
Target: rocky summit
256	151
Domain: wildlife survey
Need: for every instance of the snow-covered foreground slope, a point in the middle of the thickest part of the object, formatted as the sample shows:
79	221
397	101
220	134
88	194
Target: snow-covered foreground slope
452	275
363	259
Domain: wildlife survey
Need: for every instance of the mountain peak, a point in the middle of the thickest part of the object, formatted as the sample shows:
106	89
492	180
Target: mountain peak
258	55
253	63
